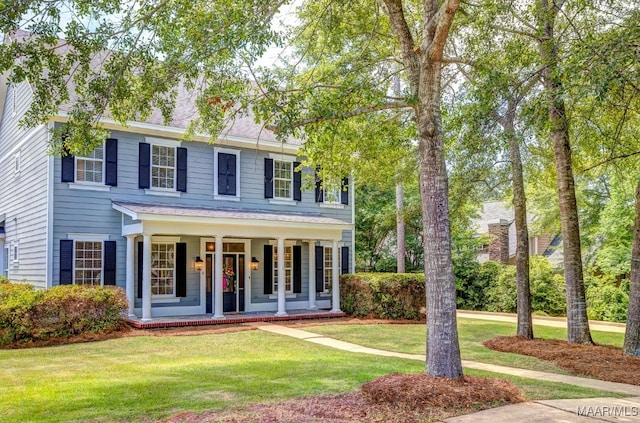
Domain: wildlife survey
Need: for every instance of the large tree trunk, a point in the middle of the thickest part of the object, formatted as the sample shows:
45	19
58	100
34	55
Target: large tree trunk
400	243
632	333
423	66
525	320
577	321
443	350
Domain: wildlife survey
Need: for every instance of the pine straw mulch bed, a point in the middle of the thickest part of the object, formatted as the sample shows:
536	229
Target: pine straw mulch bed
394	398
602	362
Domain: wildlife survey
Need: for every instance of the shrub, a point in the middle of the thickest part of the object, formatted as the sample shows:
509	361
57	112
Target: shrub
472	281
547	289
607	299
27	314
383	295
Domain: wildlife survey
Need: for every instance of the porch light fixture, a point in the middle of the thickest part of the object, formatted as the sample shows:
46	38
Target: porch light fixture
254	263
197	264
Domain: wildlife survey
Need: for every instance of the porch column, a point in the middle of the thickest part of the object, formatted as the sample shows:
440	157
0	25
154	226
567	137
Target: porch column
130	264
146	278
217	271
335	279
281	283
312	275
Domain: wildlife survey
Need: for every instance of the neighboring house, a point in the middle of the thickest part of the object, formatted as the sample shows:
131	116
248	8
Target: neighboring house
497	220
185	227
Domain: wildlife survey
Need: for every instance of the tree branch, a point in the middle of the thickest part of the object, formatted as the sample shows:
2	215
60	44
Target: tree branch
356	112
443	21
609	160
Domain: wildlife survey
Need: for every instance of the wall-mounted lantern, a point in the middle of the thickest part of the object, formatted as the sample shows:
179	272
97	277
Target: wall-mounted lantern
254	263
197	264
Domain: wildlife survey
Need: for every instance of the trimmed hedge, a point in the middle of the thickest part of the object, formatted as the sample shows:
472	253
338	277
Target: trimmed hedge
28	314
383	295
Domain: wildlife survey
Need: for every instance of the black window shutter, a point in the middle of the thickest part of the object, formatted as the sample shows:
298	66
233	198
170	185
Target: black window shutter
344	263
344	193
66	262
319	191
144	165
297	269
268	269
268	178
109	263
181	269
297	182
140	266
68	168
111	165
319	268
181	177
226	174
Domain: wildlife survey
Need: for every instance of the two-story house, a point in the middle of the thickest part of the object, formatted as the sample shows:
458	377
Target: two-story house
187	228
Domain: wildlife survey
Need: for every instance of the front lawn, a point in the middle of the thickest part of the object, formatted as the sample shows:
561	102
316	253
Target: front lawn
411	339
146	378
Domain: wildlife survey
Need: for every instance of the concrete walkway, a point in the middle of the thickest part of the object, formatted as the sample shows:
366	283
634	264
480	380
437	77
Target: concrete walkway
577	410
557	322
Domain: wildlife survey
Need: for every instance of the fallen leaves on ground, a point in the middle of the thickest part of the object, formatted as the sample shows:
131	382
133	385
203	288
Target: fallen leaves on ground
602	362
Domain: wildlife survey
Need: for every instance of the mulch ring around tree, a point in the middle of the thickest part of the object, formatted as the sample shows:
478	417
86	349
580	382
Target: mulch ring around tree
602	362
391	398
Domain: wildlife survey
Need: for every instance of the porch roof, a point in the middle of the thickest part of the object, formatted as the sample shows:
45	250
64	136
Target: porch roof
232	219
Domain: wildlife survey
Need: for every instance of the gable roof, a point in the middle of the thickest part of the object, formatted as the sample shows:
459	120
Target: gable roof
242	125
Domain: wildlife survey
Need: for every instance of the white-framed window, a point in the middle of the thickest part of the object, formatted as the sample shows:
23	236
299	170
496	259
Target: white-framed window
5	262
87	266
331	193
163	269
15	252
282	179
17	165
288	269
327	273
163	167
90	169
227	174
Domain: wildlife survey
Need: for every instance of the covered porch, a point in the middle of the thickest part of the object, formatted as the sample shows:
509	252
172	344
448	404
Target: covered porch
209	241
236	318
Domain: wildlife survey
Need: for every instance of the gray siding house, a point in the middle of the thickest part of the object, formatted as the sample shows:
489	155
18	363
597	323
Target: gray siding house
185	228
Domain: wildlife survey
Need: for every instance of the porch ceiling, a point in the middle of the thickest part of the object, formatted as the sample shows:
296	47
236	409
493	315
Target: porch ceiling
155	218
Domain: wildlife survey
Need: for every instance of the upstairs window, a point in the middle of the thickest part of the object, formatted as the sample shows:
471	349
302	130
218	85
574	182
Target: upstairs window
94	171
163	167
90	168
227	175
281	180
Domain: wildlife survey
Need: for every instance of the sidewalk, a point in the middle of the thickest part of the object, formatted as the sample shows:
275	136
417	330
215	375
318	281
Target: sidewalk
591	409
557	322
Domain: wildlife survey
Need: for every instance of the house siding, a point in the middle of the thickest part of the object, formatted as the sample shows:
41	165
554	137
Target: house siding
23	195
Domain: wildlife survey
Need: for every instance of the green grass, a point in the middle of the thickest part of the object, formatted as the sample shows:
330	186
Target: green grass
126	379
471	332
147	378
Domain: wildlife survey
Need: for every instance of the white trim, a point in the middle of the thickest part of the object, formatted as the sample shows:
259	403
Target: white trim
225	197
287	242
164	299
172	311
104	166
163	142
337	205
89	186
282	201
162	192
282	157
49	223
167	239
291	305
216	195
15	252
87	237
286	295
17	163
102	252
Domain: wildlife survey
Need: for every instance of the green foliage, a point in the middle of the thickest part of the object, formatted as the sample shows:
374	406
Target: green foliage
607	298
383	295
472	282
27	314
547	289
